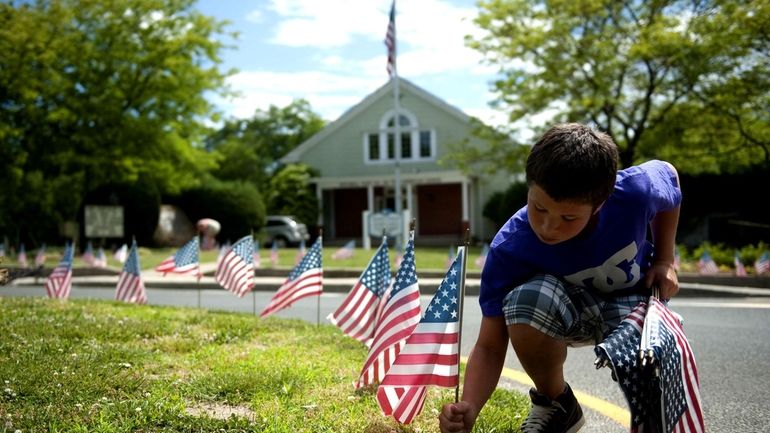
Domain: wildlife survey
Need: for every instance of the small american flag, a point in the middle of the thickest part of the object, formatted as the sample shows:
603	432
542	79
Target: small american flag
306	279
185	261
22	258
130	286
274	255
235	272
357	314
762	264
670	400
88	254
706	264
450	257
740	270
390	40
40	256
430	355
222	251
677	259
59	283
345	252
257	256
301	251
121	254
100	261
482	258
399	317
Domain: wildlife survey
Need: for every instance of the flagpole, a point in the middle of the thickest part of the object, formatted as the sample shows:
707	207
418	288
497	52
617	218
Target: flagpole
461	306
318	301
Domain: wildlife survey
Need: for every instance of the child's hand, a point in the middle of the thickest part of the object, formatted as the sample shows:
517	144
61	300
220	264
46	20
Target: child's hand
663	275
457	417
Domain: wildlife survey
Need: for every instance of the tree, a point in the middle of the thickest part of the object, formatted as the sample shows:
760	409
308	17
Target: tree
250	149
290	194
96	92
682	79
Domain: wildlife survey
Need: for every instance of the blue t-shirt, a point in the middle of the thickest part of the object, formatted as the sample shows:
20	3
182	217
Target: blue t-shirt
612	258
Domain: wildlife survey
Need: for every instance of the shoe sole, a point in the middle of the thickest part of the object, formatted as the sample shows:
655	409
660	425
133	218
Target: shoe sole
577	426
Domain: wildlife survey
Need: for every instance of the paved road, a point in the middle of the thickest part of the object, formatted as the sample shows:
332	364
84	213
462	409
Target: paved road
729	336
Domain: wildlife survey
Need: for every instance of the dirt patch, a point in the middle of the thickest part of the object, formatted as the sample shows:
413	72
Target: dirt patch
220	411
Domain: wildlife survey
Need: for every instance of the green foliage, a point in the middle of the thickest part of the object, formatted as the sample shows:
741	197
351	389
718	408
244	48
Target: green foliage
502	205
723	256
85	365
237	206
676	79
290	194
96	93
250	149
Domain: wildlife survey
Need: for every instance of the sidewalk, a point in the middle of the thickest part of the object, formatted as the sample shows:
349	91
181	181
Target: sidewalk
342	280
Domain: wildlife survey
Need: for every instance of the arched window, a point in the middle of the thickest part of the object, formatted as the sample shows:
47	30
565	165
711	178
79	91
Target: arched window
416	144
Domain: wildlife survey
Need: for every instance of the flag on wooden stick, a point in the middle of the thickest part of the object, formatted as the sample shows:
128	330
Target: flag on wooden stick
357	314
400	315
431	354
130	286
306	279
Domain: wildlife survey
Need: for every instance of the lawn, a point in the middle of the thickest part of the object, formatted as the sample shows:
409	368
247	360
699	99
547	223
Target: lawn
99	366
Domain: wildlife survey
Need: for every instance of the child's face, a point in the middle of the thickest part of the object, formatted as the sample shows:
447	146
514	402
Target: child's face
556	221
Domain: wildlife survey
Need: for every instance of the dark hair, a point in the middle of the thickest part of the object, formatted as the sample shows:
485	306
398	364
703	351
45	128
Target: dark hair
573	162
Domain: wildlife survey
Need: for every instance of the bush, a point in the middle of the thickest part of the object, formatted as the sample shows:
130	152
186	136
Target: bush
502	205
238	206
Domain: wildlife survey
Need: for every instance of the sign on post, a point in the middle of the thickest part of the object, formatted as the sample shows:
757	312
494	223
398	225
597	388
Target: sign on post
385	222
104	221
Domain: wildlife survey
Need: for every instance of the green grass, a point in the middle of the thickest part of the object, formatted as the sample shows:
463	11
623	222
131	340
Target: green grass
427	258
99	366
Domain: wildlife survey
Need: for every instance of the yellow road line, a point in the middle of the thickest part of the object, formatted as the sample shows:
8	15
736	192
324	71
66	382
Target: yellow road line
611	411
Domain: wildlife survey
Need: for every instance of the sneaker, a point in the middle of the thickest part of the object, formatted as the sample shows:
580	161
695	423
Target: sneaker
562	415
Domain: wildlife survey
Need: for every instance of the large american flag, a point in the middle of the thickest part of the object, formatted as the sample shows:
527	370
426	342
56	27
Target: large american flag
762	264
130	286
664	396
235	271
357	314
706	264
185	261
399	317
430	355
306	279
390	40
59	283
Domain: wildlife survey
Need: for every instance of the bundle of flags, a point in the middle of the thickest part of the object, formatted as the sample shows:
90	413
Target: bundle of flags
707	265
652	362
306	279
59	282
762	264
184	261
400	315
130	286
357	315
345	252
431	354
235	270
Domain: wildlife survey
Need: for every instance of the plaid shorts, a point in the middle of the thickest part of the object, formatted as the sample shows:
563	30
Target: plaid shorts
565	311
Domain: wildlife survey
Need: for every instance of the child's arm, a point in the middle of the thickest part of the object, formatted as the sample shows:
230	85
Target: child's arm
482	374
662	273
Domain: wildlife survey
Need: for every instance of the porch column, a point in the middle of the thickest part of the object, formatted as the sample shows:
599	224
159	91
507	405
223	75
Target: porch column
370	198
464	187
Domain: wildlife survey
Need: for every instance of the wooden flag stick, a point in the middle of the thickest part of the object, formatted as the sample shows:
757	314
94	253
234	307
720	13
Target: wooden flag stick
461	305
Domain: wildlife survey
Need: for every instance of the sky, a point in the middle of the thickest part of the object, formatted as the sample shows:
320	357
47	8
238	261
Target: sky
332	53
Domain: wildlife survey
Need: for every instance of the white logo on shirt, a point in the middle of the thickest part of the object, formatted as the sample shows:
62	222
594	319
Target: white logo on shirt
608	276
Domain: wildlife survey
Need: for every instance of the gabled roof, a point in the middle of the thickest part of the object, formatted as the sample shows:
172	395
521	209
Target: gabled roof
384	91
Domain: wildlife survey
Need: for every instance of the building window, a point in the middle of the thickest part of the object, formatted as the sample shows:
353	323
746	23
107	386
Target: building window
417	144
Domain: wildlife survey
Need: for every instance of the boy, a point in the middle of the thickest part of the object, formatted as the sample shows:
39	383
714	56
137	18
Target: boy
567	268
